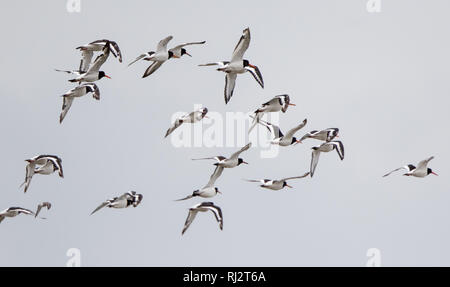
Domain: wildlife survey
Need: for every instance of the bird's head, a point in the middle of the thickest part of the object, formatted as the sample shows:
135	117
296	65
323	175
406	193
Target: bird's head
217	190
429	170
240	160
285	184
102	74
184	52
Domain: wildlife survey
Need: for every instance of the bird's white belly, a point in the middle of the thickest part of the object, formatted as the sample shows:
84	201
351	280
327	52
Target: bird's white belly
208	192
119	204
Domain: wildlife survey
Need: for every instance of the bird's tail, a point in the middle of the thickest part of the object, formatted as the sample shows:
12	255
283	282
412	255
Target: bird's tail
187	197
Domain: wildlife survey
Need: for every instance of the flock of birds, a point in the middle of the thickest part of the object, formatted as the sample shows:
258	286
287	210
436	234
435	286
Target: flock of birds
89	72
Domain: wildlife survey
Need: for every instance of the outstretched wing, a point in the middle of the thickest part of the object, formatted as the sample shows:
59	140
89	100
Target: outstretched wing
236	154
67	103
162	45
294	177
100	206
137	59
100	60
339	148
216	174
241	46
217	213
86	58
406	167
274	129
152	68
230	82
175	125
314	160
254	70
423	164
189	219
292	131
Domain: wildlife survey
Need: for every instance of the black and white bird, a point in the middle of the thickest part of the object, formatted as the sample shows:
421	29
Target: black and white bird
208	190
276	104
77	92
48	205
13	212
87	72
420	171
233	161
179	50
158	58
89	49
42	164
277	135
237	65
323	135
125	200
325	147
192	117
203	207
276	184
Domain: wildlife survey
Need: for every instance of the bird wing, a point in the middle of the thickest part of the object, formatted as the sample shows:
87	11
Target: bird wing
162	45
403	167
56	162
29	172
189	219
86	58
294	177
292	131
217	158
178	47
69	72
274	129
101	206
314	160
178	122
40	206
236	154
217	213
114	48
99	61
216	174
339	148
241	46
67	103
423	164
254	70
230	82
94	89
152	68
137	59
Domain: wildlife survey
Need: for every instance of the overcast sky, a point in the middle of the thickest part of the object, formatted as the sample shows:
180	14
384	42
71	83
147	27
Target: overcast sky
381	78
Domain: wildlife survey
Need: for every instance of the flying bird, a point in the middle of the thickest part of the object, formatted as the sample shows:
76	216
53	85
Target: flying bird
48	205
98	45
278	137
13	212
192	117
203	207
276	104
233	161
237	65
208	190
158	58
323	135
42	164
325	147
125	200
420	171
276	184
77	92
87	72
179	50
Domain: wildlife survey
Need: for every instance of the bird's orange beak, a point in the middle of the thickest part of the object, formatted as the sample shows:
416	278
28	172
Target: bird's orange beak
108	76
245	162
434	173
292	104
298	141
288	186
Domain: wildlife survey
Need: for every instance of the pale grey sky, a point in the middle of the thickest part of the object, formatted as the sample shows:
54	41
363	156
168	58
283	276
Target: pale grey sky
382	78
